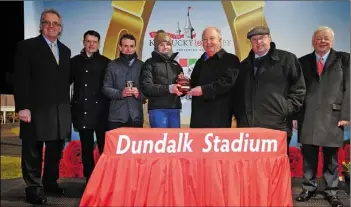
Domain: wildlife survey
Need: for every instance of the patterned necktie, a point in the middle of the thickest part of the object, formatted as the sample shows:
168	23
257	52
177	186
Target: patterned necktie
320	66
54	52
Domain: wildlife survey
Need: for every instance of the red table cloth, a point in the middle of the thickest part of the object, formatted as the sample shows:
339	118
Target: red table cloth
191	167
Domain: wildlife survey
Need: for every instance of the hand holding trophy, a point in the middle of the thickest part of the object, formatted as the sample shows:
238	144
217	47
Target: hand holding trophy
184	83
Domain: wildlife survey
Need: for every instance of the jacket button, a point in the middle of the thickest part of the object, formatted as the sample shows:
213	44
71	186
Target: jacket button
86	85
86	71
97	102
85	112
86	99
83	127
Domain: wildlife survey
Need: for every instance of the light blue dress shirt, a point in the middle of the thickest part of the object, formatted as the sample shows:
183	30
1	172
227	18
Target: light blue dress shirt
324	57
55	47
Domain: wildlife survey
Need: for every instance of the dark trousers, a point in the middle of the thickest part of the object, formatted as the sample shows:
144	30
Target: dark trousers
87	140
330	168
130	123
31	162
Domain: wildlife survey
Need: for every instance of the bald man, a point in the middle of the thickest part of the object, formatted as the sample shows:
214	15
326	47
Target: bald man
212	79
326	111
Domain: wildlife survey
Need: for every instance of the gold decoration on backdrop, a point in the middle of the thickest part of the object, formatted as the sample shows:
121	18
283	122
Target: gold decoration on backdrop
242	16
127	17
133	17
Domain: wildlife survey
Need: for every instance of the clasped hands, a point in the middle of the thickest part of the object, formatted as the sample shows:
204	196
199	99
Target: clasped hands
130	91
174	89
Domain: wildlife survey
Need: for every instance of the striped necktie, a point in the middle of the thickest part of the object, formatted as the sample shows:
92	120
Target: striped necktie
54	52
320	66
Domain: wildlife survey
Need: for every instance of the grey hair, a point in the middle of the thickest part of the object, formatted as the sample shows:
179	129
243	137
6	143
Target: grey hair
323	28
49	11
215	28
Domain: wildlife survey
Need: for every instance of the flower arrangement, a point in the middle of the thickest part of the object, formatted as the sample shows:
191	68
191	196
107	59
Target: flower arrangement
346	167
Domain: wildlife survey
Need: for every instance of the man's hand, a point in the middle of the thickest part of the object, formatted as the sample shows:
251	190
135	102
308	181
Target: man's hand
174	89
343	123
135	92
127	92
25	115
197	91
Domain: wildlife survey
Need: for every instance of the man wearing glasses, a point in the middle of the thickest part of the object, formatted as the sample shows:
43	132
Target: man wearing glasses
41	91
273	87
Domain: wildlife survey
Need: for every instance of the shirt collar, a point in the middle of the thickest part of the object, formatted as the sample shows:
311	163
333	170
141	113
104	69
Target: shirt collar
256	56
325	56
49	42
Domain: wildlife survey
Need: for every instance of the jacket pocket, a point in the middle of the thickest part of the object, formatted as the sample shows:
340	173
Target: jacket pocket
336	107
284	105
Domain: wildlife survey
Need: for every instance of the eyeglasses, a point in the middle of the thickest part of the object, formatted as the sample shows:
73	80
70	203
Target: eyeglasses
256	39
48	23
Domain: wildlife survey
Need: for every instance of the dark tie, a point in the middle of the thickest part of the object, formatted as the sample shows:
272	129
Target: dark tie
320	66
257	65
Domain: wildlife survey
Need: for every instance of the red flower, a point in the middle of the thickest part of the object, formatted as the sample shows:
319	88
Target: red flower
341	157
296	162
73	160
347	152
320	163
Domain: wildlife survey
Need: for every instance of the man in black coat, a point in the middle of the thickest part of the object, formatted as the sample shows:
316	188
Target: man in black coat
41	92
89	105
272	85
212	80
326	111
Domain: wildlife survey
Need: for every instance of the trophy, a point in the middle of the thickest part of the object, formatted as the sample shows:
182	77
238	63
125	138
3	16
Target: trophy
184	83
130	84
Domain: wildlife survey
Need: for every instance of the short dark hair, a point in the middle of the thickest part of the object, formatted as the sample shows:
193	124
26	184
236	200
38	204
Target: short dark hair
127	36
93	33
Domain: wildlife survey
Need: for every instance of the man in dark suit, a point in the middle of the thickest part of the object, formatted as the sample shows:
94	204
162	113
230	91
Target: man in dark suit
325	113
41	90
89	105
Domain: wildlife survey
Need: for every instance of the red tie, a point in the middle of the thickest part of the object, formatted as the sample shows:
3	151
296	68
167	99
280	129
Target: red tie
320	66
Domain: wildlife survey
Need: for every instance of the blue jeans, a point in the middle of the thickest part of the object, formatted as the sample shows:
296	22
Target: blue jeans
164	118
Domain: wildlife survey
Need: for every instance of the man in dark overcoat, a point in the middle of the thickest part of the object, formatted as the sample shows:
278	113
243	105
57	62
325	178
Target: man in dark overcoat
270	87
41	91
326	111
212	80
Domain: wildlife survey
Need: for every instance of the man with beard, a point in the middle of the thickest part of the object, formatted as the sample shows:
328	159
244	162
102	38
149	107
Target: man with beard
212	80
89	105
272	87
121	86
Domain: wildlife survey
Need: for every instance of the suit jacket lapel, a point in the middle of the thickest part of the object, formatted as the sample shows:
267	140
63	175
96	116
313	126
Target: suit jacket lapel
331	58
314	64
60	49
47	48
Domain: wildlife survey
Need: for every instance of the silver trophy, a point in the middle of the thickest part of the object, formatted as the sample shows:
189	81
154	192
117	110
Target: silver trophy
130	84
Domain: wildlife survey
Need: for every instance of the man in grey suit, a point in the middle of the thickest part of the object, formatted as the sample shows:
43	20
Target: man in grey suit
325	113
121	87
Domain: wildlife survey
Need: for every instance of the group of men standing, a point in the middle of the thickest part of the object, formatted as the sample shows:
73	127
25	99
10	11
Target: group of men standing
269	89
